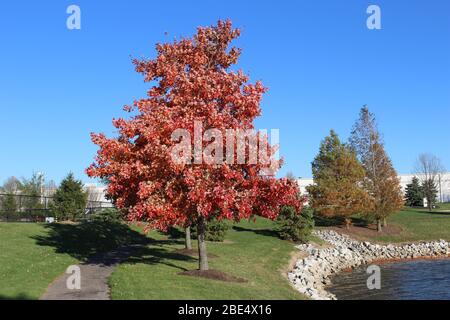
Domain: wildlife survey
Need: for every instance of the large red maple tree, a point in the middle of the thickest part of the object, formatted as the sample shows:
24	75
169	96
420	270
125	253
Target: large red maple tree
192	85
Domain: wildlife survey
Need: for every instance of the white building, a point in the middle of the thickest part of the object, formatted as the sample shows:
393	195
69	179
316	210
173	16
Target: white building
95	192
443	185
97	196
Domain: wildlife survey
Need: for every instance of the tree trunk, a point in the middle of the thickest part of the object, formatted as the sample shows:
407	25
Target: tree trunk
187	241
384	222
348	222
379	229
202	255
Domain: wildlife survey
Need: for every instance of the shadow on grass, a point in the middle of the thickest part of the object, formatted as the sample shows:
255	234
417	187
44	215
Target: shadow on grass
91	241
174	233
436	212
360	222
263	232
158	255
320	221
86	239
20	296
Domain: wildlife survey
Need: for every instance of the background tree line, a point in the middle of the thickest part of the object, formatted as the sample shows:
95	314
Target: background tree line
356	177
425	186
429	169
30	197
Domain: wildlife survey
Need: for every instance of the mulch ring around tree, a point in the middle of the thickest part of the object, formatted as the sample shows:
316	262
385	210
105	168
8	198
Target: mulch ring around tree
193	253
214	275
368	231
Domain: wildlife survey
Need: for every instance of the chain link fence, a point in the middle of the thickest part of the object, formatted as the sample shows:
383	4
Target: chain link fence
26	208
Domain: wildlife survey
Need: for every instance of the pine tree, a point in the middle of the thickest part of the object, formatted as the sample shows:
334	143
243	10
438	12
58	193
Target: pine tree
430	192
70	199
414	193
381	181
338	177
293	226
8	205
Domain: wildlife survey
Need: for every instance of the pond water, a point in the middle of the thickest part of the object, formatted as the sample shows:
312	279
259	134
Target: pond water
412	280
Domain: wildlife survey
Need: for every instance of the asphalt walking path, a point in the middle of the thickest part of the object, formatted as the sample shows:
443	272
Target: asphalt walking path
94	275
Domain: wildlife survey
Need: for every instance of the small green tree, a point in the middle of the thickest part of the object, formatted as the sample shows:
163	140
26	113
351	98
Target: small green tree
215	231
338	181
70	199
9	206
32	191
293	226
414	193
107	215
431	192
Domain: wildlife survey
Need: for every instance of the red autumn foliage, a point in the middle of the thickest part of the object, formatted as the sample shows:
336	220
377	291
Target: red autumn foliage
192	81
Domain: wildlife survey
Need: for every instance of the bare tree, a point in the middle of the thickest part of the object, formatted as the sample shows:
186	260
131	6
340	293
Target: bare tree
8	200
11	186
50	188
430	168
290	175
381	180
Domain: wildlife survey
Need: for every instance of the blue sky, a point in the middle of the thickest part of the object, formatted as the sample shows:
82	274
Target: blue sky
318	59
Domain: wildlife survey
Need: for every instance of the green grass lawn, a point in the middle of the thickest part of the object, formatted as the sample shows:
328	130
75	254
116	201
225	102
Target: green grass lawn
32	255
419	224
416	225
444	206
251	251
26	269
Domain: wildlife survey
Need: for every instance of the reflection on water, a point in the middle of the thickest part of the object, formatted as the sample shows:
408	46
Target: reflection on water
413	280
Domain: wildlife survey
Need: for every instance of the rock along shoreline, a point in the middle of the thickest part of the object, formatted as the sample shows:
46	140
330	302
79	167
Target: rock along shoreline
311	275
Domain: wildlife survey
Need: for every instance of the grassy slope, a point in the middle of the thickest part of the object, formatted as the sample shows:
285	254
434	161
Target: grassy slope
26	269
251	251
33	255
444	206
417	225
